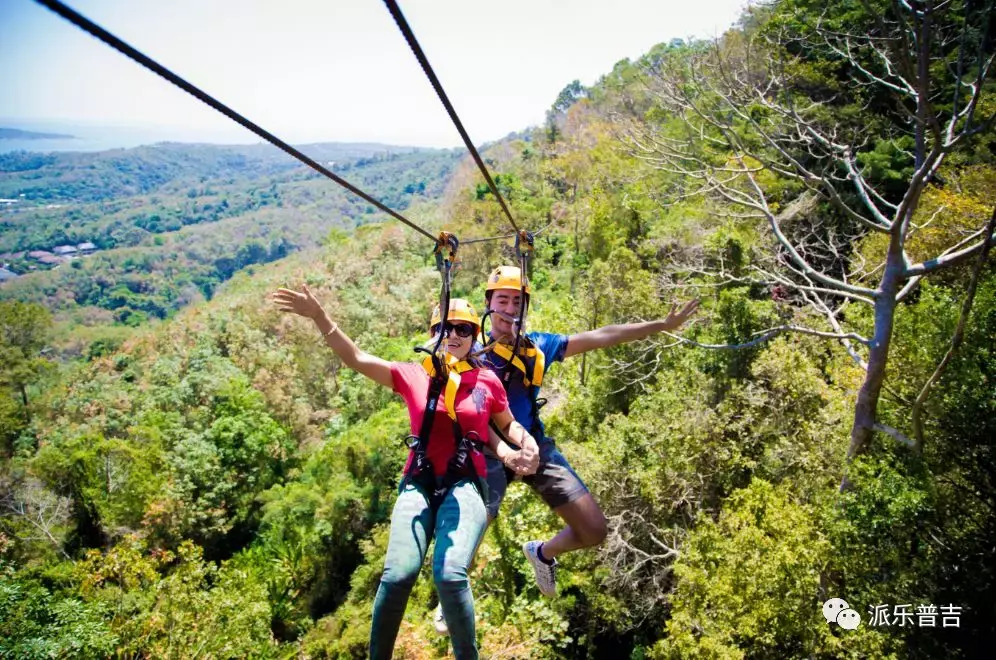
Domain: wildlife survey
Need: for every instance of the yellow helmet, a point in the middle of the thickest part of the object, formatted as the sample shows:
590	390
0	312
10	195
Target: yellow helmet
460	310
507	277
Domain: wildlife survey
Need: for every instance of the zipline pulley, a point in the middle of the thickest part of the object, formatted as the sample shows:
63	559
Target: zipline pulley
524	247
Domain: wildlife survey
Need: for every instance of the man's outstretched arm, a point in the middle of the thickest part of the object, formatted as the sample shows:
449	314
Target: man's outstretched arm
613	335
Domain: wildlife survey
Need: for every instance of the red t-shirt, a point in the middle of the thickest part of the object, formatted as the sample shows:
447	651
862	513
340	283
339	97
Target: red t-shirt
479	396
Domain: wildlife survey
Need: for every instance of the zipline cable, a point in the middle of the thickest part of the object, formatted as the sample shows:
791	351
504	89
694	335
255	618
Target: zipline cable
470	241
89	26
399	18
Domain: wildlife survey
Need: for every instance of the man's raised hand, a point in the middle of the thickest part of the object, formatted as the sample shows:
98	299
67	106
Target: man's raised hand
677	317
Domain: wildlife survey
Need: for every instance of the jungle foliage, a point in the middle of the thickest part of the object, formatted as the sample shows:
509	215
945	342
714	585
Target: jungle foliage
218	485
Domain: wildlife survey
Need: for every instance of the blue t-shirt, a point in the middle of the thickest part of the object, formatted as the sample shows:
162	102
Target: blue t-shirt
519	396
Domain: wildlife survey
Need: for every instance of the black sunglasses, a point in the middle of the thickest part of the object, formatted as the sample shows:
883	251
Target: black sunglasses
460	329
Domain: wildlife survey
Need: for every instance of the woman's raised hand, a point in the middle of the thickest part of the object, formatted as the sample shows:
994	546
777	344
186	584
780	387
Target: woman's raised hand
303	303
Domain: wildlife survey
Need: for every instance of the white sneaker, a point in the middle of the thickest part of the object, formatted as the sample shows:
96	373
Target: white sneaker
439	621
546	574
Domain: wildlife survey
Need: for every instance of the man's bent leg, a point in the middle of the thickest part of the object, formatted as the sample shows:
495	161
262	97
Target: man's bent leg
586	527
564	492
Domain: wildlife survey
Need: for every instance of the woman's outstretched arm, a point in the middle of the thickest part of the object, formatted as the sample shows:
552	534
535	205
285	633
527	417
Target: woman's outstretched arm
303	303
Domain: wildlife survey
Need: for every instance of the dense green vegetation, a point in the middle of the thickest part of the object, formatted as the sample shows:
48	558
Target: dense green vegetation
217	485
120	198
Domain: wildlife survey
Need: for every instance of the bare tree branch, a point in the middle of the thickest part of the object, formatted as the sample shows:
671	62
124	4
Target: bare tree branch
765	335
835	324
640	556
896	435
28	500
950	259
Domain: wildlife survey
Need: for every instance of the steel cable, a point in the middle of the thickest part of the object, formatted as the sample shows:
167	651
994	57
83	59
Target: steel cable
100	33
399	18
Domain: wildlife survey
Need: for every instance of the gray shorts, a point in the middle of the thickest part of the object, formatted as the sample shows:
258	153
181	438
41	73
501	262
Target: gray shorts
555	480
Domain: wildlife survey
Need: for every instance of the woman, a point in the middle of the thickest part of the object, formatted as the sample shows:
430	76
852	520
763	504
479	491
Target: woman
441	494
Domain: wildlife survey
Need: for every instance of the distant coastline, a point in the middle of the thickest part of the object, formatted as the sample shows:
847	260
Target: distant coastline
18	134
54	136
49	136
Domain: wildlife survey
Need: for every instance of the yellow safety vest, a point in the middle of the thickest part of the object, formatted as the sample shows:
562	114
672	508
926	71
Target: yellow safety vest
453	368
530	352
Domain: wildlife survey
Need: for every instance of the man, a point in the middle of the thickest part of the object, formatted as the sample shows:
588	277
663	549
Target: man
554	481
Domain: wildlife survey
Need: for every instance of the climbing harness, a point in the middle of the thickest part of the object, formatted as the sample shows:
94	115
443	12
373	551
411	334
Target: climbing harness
530	377
444	371
523	238
399	18
523	355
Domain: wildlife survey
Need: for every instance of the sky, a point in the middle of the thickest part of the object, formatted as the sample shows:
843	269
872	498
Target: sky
329	70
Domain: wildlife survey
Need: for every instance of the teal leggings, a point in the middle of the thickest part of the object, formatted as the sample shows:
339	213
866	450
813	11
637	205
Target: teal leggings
458	526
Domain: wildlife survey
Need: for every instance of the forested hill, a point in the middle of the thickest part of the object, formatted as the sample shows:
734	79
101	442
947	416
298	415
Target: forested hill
187	181
128	235
219	485
18	134
105	175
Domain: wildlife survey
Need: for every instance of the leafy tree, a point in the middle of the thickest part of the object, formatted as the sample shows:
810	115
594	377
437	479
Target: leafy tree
24	332
749	581
568	96
170	604
34	622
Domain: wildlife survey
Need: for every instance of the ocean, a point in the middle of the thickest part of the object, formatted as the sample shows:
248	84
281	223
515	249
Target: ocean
94	137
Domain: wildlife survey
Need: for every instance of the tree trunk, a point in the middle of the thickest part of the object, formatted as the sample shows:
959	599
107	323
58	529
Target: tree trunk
577	239
866	408
24	399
